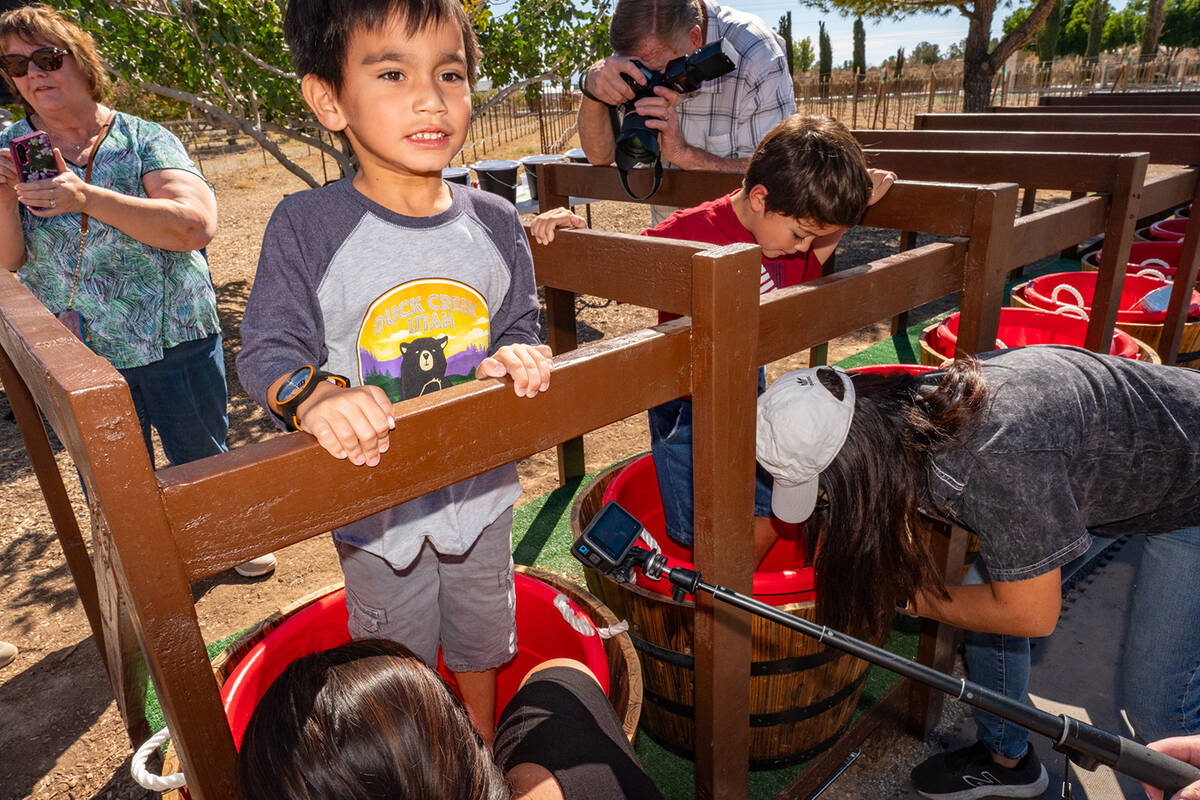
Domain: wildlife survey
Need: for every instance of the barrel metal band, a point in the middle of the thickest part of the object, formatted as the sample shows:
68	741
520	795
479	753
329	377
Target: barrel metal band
767	720
777	762
778	666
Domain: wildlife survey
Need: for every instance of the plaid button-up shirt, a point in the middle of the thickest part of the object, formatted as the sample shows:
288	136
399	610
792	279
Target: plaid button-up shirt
729	115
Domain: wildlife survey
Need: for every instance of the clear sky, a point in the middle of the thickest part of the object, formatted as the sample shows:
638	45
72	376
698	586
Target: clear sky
883	38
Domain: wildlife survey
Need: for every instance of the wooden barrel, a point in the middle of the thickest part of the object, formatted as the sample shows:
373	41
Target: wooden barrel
1150	334
934	359
624	672
802	695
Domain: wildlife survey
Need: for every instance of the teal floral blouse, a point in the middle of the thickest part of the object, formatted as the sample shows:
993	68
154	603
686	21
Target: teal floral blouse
137	300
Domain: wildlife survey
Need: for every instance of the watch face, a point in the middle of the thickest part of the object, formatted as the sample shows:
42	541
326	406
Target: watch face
295	382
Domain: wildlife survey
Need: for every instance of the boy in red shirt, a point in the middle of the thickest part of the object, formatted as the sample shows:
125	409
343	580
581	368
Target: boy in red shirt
806	185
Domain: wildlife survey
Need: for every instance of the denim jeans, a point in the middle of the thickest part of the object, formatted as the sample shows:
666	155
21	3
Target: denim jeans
184	396
671	446
1160	672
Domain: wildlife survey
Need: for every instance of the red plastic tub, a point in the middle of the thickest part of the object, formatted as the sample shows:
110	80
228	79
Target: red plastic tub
783	577
1023	326
1060	289
542	634
1146	258
1168	230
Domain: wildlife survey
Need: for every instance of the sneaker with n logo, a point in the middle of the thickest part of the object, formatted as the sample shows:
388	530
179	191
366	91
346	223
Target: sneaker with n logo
970	773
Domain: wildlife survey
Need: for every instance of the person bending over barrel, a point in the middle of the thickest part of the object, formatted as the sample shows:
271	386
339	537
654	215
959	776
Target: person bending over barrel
1035	450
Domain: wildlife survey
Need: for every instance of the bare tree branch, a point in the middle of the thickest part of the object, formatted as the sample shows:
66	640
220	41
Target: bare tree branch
508	90
242	125
325	147
268	67
1021	34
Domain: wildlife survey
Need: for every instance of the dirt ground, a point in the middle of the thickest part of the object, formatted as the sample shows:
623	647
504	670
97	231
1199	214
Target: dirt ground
60	733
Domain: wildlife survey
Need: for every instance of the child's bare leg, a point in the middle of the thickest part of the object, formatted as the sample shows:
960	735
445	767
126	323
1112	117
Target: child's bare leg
766	532
479	695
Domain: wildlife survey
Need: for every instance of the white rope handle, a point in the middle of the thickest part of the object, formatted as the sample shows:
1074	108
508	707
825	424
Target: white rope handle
1000	345
582	624
1069	289
147	779
1159	262
649	540
1068	310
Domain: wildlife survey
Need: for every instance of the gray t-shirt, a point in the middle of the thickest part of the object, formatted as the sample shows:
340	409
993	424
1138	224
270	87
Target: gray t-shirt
410	304
1072	442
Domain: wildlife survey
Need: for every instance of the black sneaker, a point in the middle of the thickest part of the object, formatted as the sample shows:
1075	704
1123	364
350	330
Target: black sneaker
971	773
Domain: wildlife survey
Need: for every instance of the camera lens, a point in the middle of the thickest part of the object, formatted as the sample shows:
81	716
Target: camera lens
636	144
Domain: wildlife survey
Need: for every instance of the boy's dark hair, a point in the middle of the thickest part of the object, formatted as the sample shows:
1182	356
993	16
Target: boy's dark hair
812	168
318	31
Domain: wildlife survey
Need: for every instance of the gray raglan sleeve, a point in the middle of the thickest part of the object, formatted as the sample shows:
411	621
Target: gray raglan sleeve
282	328
517	320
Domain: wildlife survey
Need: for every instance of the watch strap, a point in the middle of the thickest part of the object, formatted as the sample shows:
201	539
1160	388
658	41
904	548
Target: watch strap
582	83
290	408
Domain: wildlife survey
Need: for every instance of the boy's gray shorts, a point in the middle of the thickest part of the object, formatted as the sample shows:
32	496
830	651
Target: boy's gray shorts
467	602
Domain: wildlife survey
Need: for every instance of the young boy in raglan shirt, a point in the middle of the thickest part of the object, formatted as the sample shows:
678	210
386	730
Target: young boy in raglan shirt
390	285
806	185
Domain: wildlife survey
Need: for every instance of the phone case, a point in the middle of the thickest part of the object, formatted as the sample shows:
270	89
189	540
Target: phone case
34	156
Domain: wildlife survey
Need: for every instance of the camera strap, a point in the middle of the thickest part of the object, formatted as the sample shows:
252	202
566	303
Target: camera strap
623	172
624	166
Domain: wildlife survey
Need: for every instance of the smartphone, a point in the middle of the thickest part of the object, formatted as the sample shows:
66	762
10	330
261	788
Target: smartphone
34	156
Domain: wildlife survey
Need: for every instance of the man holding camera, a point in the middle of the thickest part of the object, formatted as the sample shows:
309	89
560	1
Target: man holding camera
714	128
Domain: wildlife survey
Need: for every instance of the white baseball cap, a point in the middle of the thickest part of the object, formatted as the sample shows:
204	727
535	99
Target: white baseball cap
801	427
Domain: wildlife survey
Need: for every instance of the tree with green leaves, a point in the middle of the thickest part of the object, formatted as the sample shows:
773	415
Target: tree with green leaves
981	61
1072	41
1124	27
860	50
789	46
1047	37
227	61
825	54
805	55
927	53
1098	12
1154	23
1181	25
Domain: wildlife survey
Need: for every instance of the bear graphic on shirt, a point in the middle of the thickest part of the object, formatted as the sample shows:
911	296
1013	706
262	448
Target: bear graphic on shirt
423	369
423	336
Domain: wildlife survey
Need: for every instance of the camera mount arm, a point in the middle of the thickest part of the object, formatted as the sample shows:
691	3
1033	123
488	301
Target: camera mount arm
1084	744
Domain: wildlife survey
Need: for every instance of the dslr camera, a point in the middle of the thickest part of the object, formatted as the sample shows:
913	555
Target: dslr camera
637	144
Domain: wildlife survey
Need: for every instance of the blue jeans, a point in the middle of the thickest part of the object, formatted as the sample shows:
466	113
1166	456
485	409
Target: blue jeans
184	396
1160	672
671	446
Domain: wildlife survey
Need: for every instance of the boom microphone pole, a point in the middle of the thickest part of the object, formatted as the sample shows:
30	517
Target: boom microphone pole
607	546
1084	744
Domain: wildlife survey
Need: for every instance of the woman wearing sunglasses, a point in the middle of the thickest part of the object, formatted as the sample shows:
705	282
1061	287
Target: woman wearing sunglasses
113	244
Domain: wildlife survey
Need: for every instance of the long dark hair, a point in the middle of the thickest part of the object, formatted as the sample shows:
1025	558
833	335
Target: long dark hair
365	720
870	555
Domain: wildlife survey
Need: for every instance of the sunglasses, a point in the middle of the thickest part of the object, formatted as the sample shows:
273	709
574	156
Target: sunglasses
48	59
